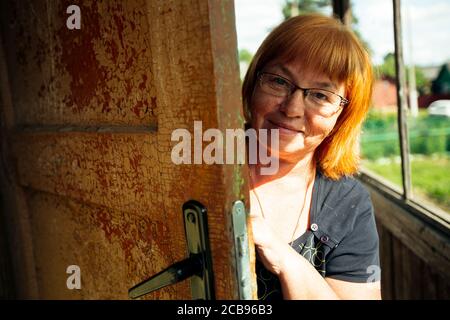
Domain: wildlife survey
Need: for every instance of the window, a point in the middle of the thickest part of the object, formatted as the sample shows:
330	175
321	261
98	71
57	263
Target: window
426	43
380	147
418	169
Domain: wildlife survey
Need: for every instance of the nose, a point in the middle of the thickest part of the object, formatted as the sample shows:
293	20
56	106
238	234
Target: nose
294	105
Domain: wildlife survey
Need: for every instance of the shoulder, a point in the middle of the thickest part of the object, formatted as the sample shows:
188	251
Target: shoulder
347	191
347	187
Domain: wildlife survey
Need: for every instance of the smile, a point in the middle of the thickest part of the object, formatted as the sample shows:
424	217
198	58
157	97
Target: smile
286	130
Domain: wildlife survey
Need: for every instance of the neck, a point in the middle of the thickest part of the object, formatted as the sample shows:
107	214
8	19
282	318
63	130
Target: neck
301	170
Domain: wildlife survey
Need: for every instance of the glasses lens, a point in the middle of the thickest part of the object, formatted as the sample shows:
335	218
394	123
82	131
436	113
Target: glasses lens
275	85
324	102
322	97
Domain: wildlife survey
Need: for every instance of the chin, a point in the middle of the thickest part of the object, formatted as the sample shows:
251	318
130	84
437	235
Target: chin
289	150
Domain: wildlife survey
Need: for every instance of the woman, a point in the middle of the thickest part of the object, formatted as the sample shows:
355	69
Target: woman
313	224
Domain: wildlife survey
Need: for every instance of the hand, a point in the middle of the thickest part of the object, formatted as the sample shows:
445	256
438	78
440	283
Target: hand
273	252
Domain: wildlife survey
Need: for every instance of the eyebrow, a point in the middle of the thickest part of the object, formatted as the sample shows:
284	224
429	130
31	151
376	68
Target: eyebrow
316	84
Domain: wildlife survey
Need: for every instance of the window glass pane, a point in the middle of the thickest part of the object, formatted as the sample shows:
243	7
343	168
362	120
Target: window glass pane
373	23
427	55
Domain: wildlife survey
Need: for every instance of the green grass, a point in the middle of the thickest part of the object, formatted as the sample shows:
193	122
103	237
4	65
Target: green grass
427	135
430	177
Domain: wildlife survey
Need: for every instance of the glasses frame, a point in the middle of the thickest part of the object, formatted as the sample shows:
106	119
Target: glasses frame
343	102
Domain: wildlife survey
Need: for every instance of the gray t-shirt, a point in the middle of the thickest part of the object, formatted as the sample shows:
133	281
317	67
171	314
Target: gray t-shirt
341	241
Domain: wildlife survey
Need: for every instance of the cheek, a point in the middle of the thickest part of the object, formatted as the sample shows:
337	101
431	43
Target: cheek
320	127
261	107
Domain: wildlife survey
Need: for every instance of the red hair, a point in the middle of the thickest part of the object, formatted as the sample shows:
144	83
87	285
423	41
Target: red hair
323	44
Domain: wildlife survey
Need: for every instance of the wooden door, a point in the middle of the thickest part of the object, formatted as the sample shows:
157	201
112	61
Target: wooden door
86	141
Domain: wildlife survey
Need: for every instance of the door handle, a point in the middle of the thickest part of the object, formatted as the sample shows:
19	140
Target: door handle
198	266
175	273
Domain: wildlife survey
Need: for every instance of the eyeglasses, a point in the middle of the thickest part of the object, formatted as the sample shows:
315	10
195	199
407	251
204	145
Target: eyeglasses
323	102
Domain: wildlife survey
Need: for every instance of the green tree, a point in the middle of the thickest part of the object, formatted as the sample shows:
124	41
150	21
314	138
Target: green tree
292	8
387	70
442	82
422	83
245	56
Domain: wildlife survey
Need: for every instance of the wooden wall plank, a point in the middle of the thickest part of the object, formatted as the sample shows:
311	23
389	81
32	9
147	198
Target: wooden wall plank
200	71
429	282
386	261
115	170
411	275
399	288
7	290
443	289
14	207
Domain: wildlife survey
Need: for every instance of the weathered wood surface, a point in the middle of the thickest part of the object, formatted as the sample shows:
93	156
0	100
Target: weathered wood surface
414	256
94	110
113	249
427	243
405	276
387	274
115	170
100	74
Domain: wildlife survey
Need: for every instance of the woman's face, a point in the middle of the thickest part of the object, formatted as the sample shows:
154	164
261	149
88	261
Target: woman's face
301	128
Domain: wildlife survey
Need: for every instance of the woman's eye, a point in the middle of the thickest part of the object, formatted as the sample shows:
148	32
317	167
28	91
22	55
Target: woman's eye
319	95
279	81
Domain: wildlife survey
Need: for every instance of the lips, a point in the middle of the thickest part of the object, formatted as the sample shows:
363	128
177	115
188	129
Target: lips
285	128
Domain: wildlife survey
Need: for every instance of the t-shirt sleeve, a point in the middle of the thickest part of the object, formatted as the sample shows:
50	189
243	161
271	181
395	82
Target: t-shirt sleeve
356	258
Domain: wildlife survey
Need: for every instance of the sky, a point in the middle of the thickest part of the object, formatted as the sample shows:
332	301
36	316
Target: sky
426	27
